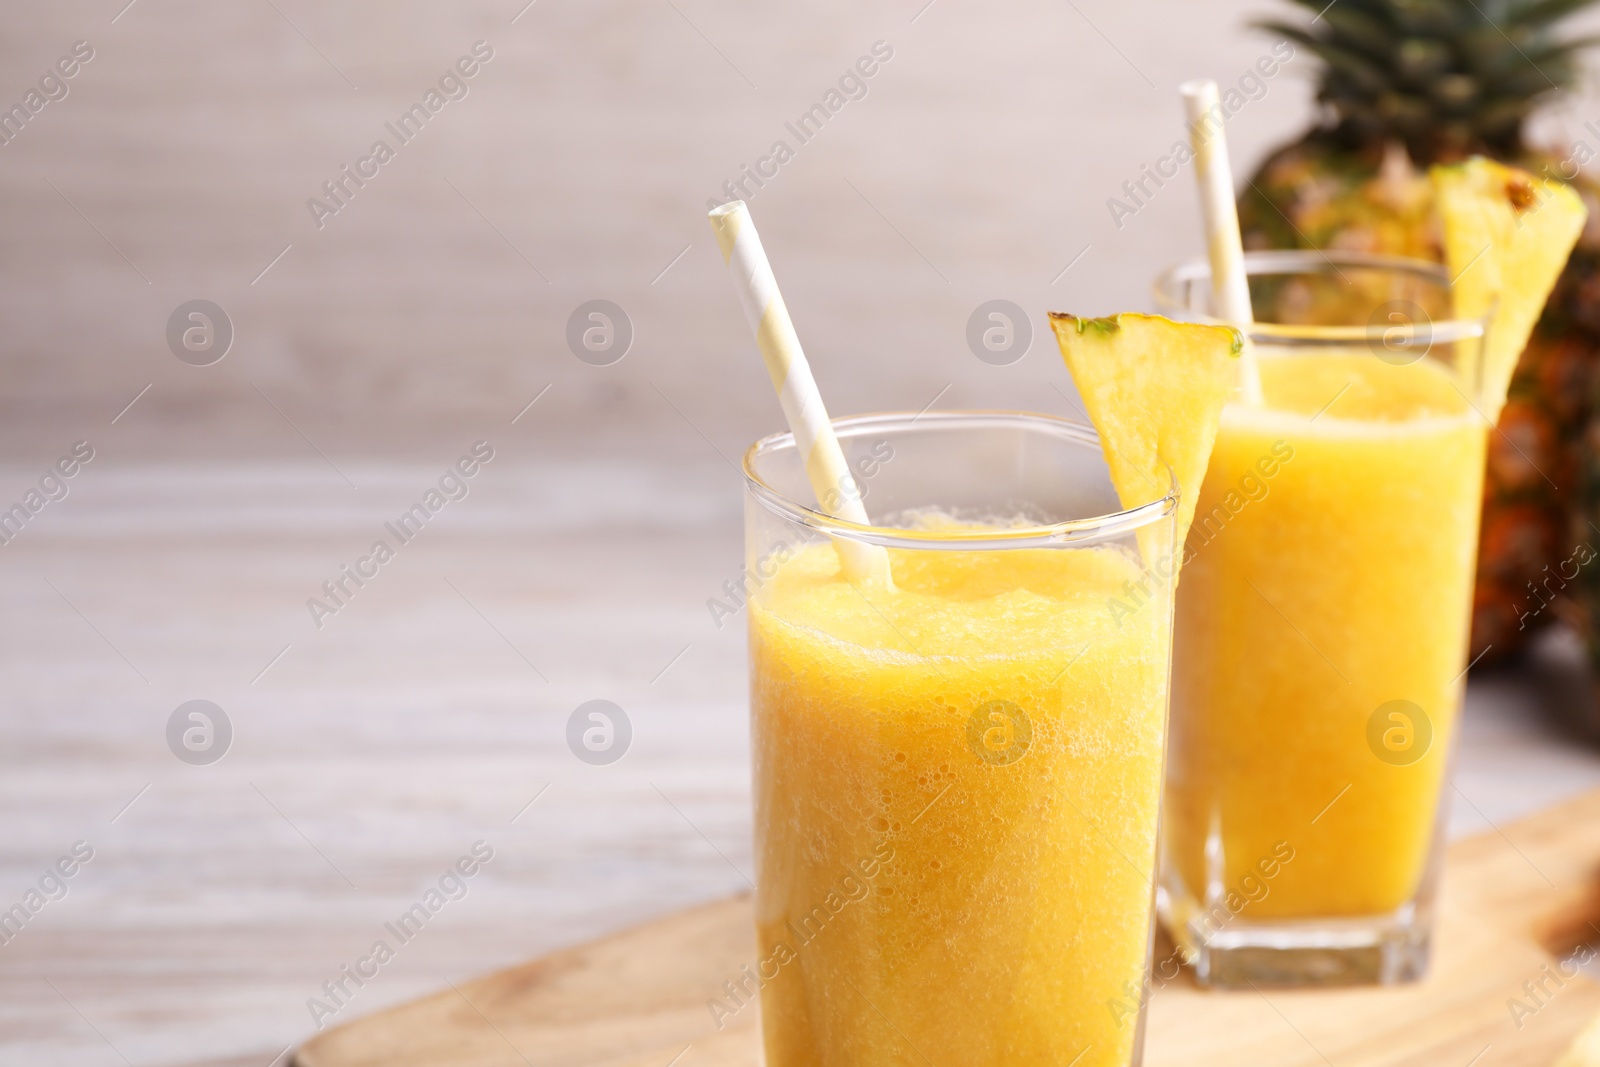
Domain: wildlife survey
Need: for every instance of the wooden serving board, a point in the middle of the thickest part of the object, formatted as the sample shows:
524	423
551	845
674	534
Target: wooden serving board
1514	901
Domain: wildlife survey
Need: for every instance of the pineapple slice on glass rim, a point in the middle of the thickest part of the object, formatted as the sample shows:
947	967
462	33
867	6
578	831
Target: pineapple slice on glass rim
1507	236
1154	390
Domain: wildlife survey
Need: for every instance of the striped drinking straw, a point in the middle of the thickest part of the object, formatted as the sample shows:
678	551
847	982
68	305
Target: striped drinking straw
830	476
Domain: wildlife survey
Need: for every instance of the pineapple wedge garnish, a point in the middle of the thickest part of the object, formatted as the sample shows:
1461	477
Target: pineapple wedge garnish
1154	390
1507	235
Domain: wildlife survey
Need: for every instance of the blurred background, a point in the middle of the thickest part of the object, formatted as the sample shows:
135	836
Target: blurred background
365	333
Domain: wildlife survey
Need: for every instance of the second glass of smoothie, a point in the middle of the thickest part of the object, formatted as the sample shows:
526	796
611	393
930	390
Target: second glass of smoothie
1321	627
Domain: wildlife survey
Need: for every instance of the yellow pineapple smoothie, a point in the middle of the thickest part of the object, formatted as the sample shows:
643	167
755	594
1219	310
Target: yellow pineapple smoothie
1329	573
957	783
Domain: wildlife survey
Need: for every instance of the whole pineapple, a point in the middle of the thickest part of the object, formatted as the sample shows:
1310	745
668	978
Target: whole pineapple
1405	84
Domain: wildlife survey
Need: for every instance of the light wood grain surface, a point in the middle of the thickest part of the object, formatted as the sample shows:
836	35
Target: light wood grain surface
1514	903
423	317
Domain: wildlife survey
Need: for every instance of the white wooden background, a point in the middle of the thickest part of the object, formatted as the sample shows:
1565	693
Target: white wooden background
424	317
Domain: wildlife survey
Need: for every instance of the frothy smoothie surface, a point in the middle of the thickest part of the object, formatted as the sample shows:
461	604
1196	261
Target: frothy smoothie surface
957	785
1347	388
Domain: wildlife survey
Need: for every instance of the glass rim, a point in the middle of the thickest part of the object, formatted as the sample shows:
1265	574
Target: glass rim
1087	528
1167	291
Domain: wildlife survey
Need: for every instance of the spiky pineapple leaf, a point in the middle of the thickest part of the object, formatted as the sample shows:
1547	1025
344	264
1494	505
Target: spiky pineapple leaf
1445	77
1362	29
1346	61
1544	12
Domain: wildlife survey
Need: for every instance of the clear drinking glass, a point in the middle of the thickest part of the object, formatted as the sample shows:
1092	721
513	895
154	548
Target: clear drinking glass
1322	624
956	779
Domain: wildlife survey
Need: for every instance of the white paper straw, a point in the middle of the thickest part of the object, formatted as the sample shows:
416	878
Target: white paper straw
836	489
1230	288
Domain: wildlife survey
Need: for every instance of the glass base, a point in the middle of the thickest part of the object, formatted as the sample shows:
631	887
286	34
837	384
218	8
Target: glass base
1302	953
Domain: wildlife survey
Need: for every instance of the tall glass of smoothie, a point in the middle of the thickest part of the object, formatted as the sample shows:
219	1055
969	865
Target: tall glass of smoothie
1322	622
957	776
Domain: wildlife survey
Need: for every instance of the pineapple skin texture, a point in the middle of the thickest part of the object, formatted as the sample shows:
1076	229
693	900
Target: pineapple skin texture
1316	194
